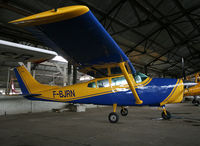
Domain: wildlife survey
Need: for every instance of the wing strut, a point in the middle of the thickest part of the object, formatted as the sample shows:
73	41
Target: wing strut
130	83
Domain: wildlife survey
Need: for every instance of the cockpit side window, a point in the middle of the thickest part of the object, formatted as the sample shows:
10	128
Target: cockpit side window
137	79
92	85
118	81
103	83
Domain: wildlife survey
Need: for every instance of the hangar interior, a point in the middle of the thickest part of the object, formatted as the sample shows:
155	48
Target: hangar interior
161	38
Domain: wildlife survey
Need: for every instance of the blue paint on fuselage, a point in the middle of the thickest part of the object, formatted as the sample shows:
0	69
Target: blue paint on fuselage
152	94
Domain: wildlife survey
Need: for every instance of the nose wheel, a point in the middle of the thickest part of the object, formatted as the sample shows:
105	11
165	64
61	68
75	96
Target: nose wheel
165	114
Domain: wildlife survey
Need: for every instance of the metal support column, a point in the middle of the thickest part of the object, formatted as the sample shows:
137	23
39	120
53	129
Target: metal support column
29	66
69	73
34	73
8	82
74	74
64	75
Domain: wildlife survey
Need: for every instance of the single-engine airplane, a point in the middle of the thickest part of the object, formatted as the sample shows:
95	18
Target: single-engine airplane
75	33
195	90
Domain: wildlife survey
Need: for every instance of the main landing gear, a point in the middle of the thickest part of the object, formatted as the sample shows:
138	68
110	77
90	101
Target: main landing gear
165	114
114	117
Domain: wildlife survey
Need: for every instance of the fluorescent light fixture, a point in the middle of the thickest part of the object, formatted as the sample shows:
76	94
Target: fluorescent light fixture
59	58
86	78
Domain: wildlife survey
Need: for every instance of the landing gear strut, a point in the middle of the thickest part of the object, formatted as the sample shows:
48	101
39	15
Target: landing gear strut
195	101
113	117
165	114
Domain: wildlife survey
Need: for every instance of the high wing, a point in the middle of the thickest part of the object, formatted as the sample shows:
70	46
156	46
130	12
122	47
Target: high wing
22	53
75	33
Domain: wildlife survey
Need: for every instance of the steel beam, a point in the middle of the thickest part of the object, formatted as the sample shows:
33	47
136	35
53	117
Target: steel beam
14	9
194	24
116	13
135	11
147	12
112	9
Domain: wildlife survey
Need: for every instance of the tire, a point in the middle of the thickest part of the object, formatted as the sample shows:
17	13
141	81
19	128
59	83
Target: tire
166	117
124	112
113	117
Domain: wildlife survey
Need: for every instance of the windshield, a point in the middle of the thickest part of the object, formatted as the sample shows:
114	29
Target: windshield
139	77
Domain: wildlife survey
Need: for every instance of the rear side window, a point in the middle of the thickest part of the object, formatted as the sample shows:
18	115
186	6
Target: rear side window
118	81
92	85
103	83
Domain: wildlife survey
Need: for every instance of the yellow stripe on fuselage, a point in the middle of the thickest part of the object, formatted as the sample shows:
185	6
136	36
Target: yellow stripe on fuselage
143	83
52	16
82	91
176	94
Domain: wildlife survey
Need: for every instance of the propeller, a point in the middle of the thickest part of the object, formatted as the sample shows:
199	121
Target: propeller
187	83
183	69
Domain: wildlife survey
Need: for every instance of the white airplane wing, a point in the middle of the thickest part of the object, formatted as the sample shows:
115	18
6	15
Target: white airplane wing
22	53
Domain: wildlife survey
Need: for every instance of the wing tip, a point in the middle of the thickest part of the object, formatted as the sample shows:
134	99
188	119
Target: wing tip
51	16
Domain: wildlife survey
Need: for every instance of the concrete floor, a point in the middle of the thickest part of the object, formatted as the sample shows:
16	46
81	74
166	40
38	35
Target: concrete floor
143	127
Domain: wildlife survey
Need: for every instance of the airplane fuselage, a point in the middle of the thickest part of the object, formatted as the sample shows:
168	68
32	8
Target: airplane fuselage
153	92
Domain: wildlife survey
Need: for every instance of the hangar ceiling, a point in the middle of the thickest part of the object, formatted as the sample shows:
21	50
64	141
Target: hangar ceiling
154	34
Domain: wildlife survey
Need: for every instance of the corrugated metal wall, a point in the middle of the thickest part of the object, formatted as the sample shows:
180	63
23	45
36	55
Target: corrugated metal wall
18	105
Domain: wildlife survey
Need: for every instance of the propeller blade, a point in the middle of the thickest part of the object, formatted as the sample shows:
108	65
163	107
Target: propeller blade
183	69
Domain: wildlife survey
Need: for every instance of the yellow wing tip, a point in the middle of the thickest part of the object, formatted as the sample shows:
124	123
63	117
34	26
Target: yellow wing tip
53	15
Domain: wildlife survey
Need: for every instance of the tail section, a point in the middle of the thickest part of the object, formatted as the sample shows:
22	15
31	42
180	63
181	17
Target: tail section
27	83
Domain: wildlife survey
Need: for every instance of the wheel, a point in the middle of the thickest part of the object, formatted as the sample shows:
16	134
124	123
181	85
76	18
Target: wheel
166	117
195	102
124	112
113	117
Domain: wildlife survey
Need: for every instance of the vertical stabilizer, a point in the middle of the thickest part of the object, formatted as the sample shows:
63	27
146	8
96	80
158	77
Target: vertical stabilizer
27	83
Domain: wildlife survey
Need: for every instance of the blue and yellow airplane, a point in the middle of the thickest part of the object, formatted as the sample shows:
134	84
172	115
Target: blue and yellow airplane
75	33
